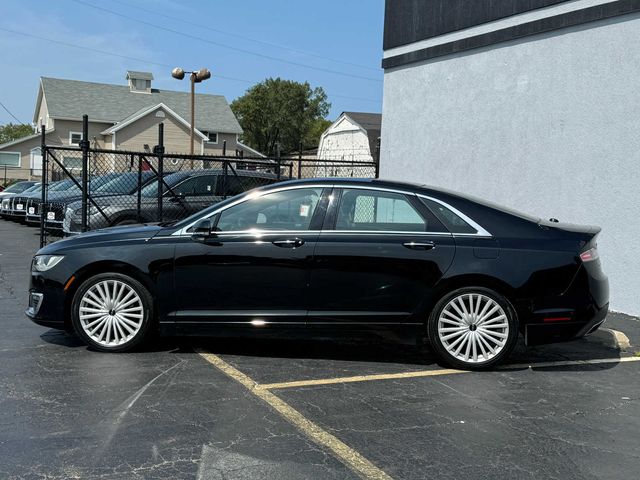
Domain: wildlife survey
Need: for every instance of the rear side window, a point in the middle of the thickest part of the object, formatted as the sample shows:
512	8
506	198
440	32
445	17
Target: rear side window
378	211
451	220
232	185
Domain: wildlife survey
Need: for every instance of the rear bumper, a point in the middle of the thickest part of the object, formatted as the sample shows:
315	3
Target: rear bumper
562	331
580	310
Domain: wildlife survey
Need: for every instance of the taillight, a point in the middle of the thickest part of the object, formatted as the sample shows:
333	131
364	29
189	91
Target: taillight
589	255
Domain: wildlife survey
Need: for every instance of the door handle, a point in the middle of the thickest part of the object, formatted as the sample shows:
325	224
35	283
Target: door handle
419	245
289	243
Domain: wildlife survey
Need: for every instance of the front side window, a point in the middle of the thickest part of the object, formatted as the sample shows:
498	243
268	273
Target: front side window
232	185
378	211
285	210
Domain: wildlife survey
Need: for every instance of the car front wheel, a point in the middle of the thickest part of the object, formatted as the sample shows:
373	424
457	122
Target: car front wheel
473	328
112	312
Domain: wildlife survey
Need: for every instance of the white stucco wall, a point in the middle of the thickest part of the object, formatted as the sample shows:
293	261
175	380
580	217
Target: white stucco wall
549	125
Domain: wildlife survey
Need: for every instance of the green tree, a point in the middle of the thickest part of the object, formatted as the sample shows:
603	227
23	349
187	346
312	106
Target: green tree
280	111
14	131
312	138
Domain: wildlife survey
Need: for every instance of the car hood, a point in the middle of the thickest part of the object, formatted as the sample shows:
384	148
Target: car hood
106	235
68	197
106	199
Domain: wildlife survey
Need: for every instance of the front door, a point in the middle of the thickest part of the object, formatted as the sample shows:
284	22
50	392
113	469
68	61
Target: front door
256	268
377	260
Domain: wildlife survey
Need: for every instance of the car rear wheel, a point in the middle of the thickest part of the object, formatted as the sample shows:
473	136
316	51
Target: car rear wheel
473	328
112	312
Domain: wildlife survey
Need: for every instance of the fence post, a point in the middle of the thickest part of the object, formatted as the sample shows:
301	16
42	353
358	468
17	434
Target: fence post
159	151
278	161
139	191
377	158
84	145
299	161
224	148
43	180
225	171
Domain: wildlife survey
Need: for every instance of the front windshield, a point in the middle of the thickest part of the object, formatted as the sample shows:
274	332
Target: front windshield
34	188
63	185
18	187
97	182
125	183
151	190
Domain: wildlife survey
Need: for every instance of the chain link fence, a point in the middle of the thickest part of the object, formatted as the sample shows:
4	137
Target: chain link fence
123	187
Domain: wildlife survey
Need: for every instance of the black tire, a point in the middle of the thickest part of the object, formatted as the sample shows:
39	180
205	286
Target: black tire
445	348
146	312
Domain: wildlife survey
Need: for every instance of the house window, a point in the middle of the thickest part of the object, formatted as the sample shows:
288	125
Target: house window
10	159
74	138
212	137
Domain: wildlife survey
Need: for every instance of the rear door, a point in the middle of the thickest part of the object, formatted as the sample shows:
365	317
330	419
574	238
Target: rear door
377	259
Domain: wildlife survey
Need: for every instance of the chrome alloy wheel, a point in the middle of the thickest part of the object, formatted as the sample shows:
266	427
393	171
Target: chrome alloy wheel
473	328
111	313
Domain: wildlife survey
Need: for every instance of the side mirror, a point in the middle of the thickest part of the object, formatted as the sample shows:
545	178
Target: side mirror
202	230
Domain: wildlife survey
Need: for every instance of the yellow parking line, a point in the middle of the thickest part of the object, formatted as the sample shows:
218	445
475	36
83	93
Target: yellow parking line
565	363
347	455
359	378
433	373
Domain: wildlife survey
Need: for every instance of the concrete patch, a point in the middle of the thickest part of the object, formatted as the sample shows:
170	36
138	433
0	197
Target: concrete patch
610	338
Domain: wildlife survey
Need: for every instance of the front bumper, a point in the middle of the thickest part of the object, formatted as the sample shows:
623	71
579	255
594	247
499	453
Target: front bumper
46	305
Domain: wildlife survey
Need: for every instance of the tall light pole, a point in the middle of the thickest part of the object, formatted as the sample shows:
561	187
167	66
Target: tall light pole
195	77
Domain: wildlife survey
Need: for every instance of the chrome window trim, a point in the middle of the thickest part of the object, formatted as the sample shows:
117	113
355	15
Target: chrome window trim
481	231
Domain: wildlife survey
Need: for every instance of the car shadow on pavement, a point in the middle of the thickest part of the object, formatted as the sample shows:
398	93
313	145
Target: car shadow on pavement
370	349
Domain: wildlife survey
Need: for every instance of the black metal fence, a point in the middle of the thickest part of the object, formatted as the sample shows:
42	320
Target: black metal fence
90	188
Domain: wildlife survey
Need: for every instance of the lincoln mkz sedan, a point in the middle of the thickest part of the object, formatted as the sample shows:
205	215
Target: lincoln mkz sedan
347	255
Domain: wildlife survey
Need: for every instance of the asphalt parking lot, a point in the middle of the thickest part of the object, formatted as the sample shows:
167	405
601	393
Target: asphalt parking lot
315	409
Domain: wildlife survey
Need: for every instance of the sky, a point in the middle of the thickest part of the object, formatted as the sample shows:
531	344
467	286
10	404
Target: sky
334	44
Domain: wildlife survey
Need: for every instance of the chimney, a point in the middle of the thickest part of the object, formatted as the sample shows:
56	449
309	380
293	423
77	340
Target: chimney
139	82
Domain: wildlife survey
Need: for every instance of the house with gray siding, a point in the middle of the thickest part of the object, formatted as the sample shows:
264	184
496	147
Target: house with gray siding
122	117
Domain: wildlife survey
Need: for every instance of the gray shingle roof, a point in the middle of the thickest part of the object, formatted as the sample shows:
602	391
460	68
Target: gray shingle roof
112	103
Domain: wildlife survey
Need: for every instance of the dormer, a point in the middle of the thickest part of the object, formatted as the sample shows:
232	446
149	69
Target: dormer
139	82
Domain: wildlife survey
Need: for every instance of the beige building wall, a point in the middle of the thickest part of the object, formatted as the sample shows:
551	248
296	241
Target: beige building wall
145	132
43	115
63	128
216	148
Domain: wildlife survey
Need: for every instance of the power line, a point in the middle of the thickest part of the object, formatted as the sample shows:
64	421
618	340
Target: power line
151	62
229	47
9	112
105	52
244	37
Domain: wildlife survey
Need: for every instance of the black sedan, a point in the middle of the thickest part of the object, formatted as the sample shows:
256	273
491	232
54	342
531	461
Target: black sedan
347	255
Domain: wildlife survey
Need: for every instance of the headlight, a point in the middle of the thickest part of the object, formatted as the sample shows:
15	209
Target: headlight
42	263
